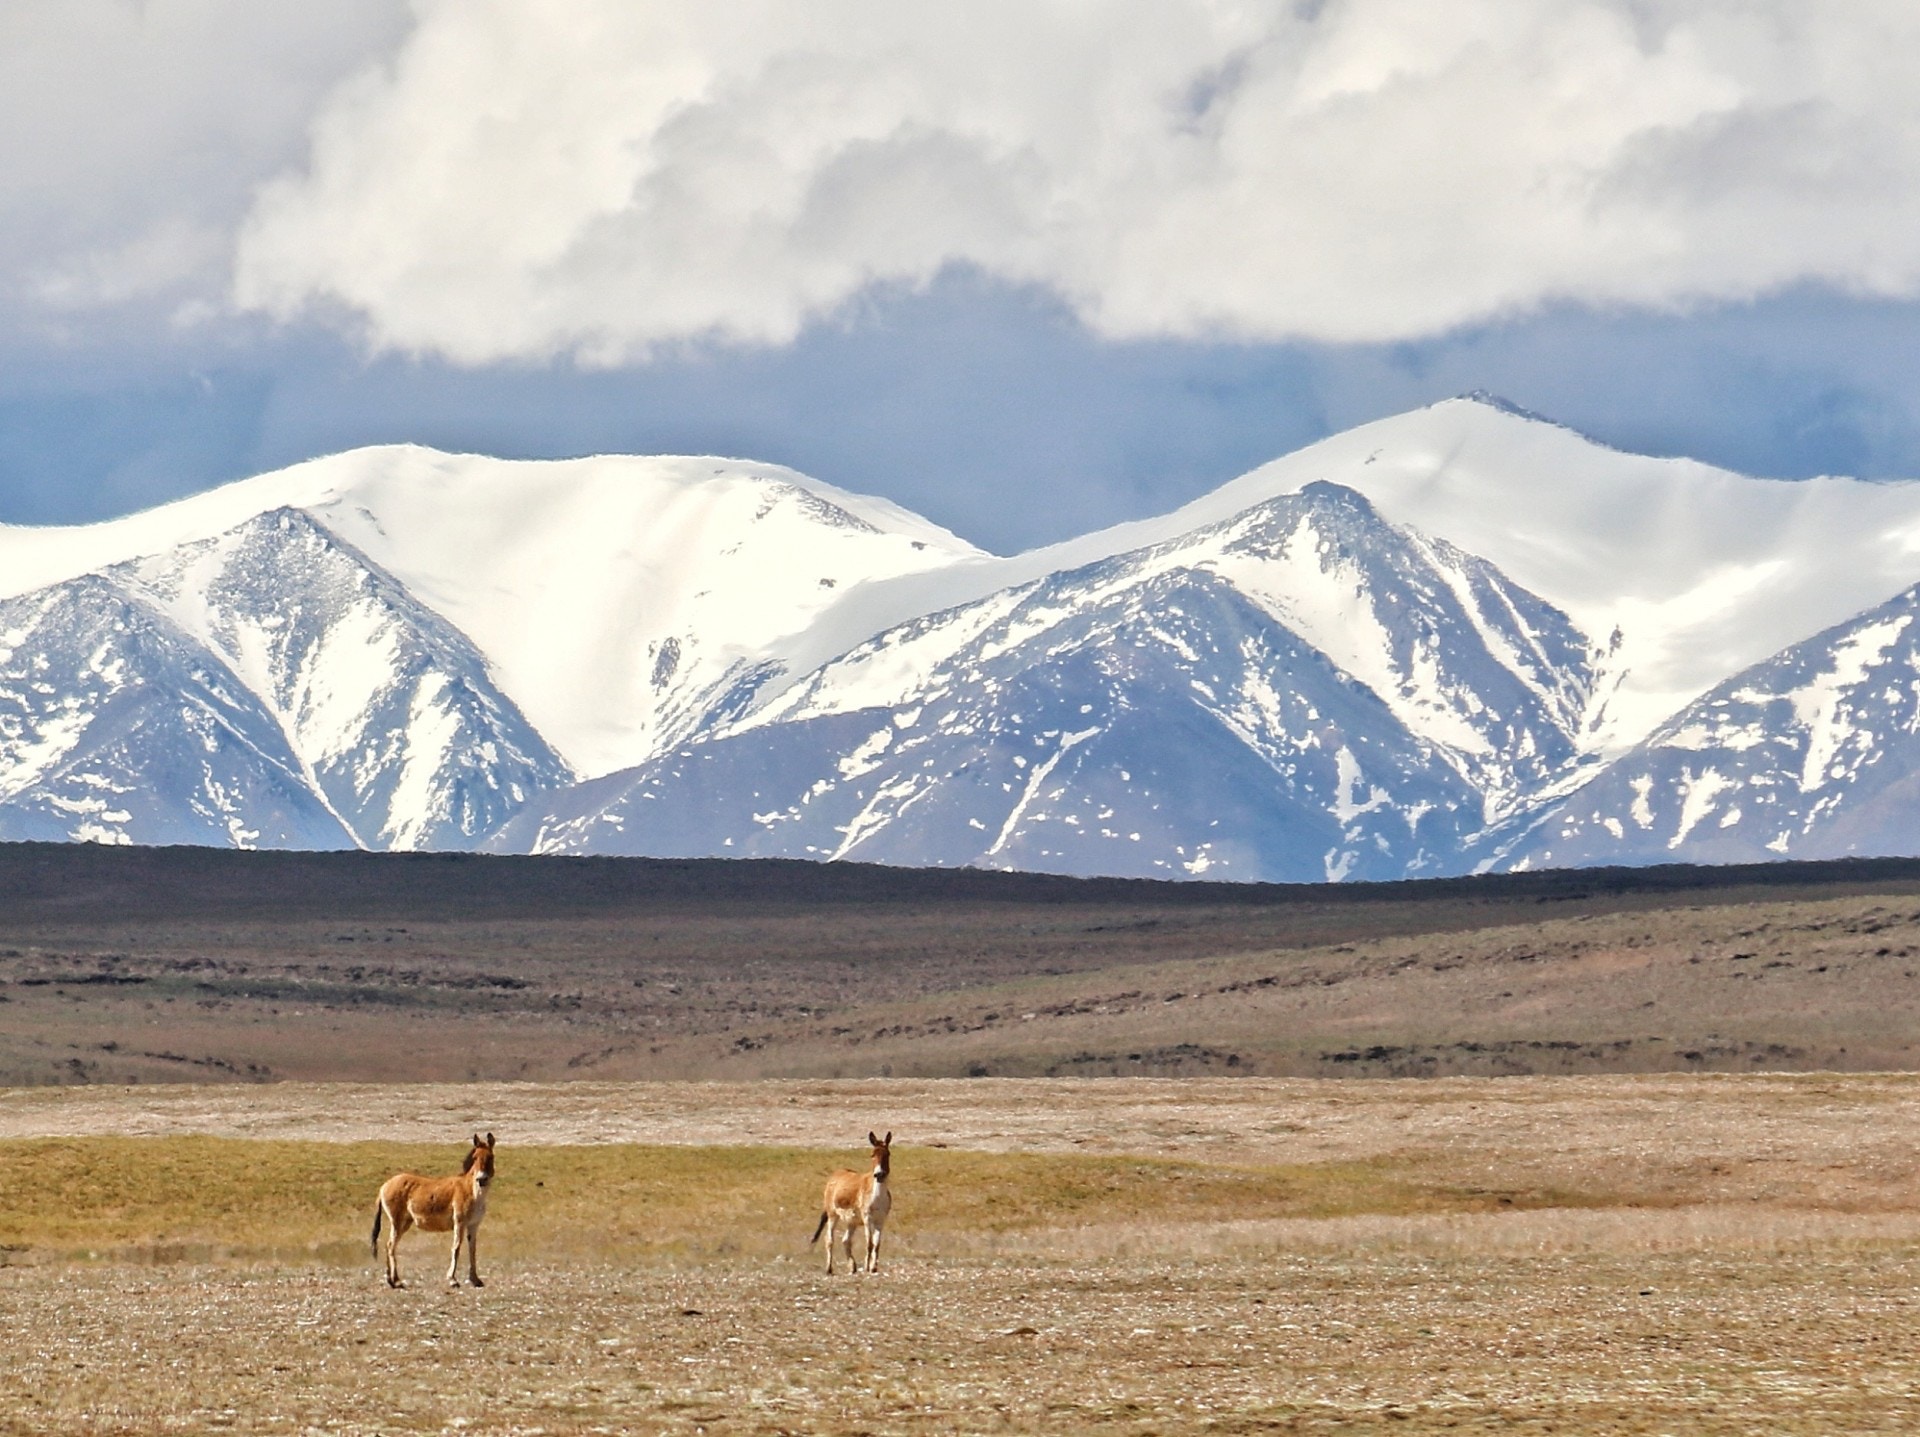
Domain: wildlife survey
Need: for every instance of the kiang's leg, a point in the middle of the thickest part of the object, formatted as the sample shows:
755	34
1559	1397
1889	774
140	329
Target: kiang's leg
396	1225
473	1256
453	1265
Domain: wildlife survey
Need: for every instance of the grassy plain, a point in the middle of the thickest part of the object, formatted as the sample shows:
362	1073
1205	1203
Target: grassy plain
1610	1254
236	1198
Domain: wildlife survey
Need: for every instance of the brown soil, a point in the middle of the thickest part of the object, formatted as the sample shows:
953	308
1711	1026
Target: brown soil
1368	1342
183	965
1686	1252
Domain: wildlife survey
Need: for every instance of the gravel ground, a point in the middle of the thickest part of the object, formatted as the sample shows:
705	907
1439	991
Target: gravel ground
1368	1341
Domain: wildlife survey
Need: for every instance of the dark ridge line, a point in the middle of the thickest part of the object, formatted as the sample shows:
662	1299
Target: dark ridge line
1499	402
90	881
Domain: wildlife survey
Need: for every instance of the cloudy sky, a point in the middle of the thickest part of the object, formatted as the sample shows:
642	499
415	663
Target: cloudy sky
1026	266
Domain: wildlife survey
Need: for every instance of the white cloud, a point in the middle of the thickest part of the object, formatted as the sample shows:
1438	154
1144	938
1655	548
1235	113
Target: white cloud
525	178
132	134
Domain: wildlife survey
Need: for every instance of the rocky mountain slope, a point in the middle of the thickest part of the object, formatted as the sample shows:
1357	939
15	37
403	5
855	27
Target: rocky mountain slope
1456	639
1811	754
1300	692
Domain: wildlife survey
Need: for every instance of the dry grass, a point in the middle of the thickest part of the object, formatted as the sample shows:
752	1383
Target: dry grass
1795	1141
1697	1256
1331	1341
200	1196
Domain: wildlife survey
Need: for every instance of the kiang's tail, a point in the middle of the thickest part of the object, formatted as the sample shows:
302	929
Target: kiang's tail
818	1230
378	1213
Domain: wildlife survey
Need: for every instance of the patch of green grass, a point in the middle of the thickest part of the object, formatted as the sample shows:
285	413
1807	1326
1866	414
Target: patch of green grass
201	1195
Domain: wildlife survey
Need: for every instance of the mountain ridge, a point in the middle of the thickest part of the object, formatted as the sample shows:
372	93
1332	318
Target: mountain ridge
1408	648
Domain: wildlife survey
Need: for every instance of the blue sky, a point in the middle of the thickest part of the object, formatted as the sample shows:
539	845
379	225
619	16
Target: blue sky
1026	268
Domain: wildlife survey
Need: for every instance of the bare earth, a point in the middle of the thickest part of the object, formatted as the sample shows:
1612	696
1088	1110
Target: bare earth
1601	1153
170	966
1736	1255
1366	1342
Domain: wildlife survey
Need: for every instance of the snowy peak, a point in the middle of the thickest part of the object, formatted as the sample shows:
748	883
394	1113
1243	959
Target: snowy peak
1813	754
390	711
1300	692
1699	571
573	576
1460	637
1169	727
1495	680
634	600
116	727
1492	676
623	603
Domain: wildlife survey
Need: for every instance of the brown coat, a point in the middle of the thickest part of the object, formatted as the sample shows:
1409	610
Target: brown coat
455	1204
854	1199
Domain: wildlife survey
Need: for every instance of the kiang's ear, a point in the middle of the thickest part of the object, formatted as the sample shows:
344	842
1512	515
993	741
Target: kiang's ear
489	1139
476	1140
887	1141
872	1141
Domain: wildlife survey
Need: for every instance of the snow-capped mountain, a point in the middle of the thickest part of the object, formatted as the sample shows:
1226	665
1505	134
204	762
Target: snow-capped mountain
620	602
1459	638
1495	680
117	727
391	713
1682	574
1812	754
1300	692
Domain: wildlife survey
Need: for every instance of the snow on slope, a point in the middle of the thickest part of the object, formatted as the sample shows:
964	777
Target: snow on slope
438	637
1701	571
390	710
622	602
618	601
1813	754
1495	680
1302	692
1172	729
117	727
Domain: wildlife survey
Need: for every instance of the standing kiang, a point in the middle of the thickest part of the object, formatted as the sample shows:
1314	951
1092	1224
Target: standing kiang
853	1199
455	1204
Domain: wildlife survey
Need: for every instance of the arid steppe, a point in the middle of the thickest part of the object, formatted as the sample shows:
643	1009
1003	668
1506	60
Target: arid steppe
1633	1153
1697	1254
183	965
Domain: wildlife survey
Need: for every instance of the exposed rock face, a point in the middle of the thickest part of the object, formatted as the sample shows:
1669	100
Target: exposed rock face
1458	639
